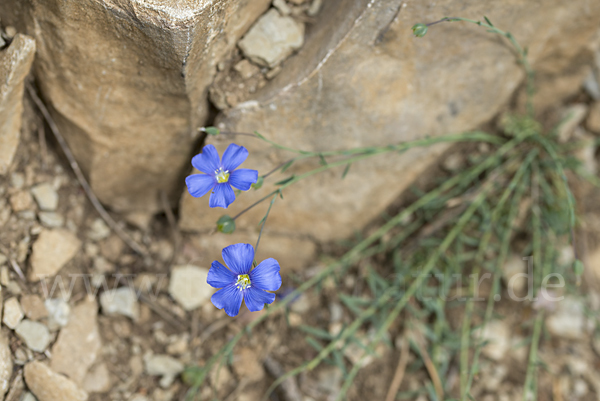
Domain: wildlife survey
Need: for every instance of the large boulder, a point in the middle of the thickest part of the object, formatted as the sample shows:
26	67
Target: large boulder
362	79
126	81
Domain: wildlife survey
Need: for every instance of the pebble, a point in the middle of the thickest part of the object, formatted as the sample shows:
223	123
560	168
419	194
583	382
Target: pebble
593	119
246	69
35	335
121	301
3	259
78	343
51	251
571	117
58	313
569	320
17	180
4	276
453	162
221	378
513	266
33	307
45	196
21	201
6	365
282	7
330	381
51	219
314	8
272	39
163	365
247	365
497	334
27	396
188	286
13	313
48	385
97	380
98	230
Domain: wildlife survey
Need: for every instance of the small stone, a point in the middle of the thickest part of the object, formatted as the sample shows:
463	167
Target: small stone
140	219
58	313
314	8
330	381
593	120
273	72
590	84
4	276
221	378
45	196
247	365
17	180
27	396
10	32
497	334
78	343
35	335
21	201
21	356
272	39
6	364
98	230
47	385
34	307
122	301
97	380
51	251
453	162
103	266
301	304
13	314
569	319
163	365
188	286
580	388
3	259
571	117
13	288
513	272
246	69
179	345
282	7
51	219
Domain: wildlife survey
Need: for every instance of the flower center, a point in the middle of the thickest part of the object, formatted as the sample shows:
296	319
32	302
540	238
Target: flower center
222	175
243	281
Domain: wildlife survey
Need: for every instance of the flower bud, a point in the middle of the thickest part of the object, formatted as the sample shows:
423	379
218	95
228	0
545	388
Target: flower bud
419	30
226	224
258	183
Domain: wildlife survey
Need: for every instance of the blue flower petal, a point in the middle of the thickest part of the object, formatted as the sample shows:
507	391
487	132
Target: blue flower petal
266	275
229	298
239	258
243	178
256	299
199	184
234	156
222	196
219	276
207	161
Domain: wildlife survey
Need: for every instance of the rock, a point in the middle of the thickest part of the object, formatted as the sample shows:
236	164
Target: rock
314	8
593	119
51	219
572	116
330	381
361	81
51	251
45	196
497	333
15	63
272	39
35	335
21	201
246	69
569	319
247	365
97	380
221	378
512	274
3	259
33	307
47	385
163	365
78	343
127	82
4	276
453	162
188	286
282	7
27	396
122	301
58	313
13	314
6	364
98	230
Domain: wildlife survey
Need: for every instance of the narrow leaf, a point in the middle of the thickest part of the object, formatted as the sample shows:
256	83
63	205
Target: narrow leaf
346	170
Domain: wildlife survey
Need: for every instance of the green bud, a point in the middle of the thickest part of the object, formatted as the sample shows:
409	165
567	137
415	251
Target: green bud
578	267
419	30
259	183
212	131
226	224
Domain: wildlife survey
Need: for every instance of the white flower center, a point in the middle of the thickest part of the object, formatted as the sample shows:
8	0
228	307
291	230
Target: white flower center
222	175
243	281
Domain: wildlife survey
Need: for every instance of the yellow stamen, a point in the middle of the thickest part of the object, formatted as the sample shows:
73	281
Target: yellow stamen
222	176
243	281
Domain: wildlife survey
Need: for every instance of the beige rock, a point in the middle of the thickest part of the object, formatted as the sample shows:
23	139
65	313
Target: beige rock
78	343
571	117
593	120
127	82
51	251
21	201
15	63
34	307
34	334
188	286
247	365
362	80
97	379
48	385
13	314
6	364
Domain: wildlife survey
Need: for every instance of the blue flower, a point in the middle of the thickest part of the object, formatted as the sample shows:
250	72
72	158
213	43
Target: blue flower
220	175
241	282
